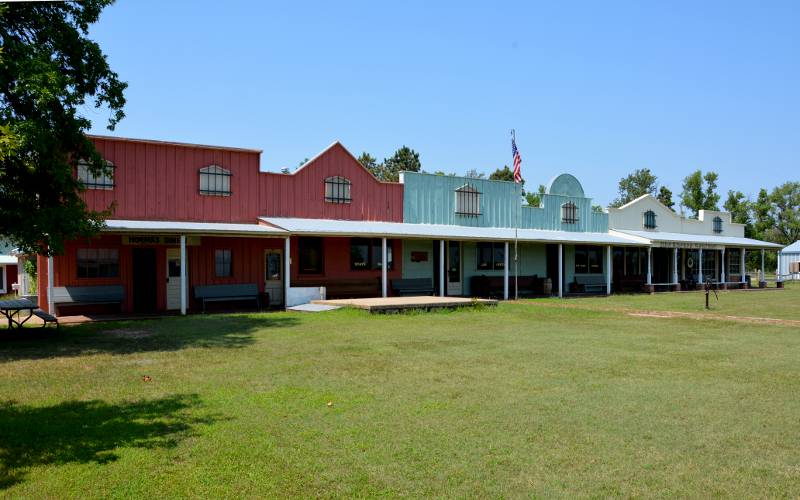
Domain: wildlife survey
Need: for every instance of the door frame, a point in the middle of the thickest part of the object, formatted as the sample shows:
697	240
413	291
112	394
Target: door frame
282	271
141	272
167	287
460	290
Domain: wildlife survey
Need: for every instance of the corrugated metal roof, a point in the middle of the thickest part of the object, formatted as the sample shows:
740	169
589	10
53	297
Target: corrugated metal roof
793	248
158	226
697	238
325	227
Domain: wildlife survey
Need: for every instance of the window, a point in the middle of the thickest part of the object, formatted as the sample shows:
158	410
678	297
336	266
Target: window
717	225
98	263
222	263
337	190
96	181
310	253
734	261
367	254
635	261
491	255
569	213
215	181
588	259
650	220
468	201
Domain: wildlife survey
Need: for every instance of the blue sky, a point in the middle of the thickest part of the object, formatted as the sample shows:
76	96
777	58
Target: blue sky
596	89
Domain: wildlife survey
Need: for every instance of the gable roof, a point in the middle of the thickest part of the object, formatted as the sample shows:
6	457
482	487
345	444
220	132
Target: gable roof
793	248
333	145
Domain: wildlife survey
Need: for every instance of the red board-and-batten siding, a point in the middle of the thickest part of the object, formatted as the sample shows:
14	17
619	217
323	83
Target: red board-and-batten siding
160	181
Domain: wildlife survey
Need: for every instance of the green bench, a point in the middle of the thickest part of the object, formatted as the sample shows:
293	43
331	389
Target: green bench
412	286
591	284
46	318
80	295
226	293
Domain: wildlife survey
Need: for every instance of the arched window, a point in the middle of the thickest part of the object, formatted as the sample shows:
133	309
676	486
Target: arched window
468	200
91	180
650	220
717	225
215	181
569	213
337	190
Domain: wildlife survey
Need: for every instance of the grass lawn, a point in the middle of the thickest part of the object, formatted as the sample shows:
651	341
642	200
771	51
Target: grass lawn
525	399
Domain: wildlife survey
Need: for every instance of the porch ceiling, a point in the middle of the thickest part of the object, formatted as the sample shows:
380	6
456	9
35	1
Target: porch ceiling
172	227
326	227
664	238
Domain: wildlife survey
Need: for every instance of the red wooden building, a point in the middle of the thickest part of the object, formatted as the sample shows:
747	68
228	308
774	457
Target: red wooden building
187	213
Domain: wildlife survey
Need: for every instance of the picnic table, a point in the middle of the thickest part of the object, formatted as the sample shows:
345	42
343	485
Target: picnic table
12	310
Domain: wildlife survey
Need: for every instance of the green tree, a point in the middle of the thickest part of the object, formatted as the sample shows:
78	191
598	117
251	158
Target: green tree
665	197
699	192
640	182
502	174
404	159
740	207
370	163
49	72
785	208
763	221
535	199
474	174
305	160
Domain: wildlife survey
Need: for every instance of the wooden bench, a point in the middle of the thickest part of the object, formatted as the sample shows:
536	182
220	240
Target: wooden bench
344	288
226	293
591	284
83	295
412	286
46	318
492	286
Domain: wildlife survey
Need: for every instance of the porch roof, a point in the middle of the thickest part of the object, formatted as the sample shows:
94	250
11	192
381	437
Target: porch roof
7	259
326	227
650	237
173	227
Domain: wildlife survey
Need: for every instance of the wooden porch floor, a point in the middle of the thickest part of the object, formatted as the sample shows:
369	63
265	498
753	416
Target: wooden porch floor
396	304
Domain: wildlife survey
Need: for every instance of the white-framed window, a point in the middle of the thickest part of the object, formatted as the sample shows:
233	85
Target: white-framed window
649	219
97	263
215	181
99	181
337	189
468	200
717	224
569	213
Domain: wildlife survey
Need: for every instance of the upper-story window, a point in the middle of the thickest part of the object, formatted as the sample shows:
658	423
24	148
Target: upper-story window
337	190
96	181
569	213
215	181
468	200
650	220
717	225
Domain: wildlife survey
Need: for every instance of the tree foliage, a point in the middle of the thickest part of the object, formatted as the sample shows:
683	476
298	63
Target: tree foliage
404	159
665	197
785	211
535	199
502	174
49	71
640	182
739	207
700	192
474	174
369	162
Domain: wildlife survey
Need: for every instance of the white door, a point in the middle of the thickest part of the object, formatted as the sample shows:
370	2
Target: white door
273	276
454	268
173	278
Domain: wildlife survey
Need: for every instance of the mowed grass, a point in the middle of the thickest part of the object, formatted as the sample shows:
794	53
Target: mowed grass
521	400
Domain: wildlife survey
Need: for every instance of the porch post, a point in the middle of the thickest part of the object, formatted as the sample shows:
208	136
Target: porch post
649	266
762	278
505	272
183	274
722	266
608	270
778	267
442	284
560	270
700	266
675	266
742	265
287	274
683	267
384	265
51	307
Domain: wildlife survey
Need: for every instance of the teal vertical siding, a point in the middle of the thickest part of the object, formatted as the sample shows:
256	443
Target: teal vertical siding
431	199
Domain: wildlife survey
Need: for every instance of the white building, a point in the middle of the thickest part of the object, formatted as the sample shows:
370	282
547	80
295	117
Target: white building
789	262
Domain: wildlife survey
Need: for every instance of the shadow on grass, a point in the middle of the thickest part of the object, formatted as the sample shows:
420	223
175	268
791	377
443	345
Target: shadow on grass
89	431
124	337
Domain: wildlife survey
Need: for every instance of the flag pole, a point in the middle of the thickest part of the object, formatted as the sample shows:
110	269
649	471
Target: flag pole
516	235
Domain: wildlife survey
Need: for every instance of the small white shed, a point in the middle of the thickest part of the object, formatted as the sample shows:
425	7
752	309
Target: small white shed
789	262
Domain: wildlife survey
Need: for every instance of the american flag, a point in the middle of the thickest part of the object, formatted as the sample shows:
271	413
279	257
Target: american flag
517	161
